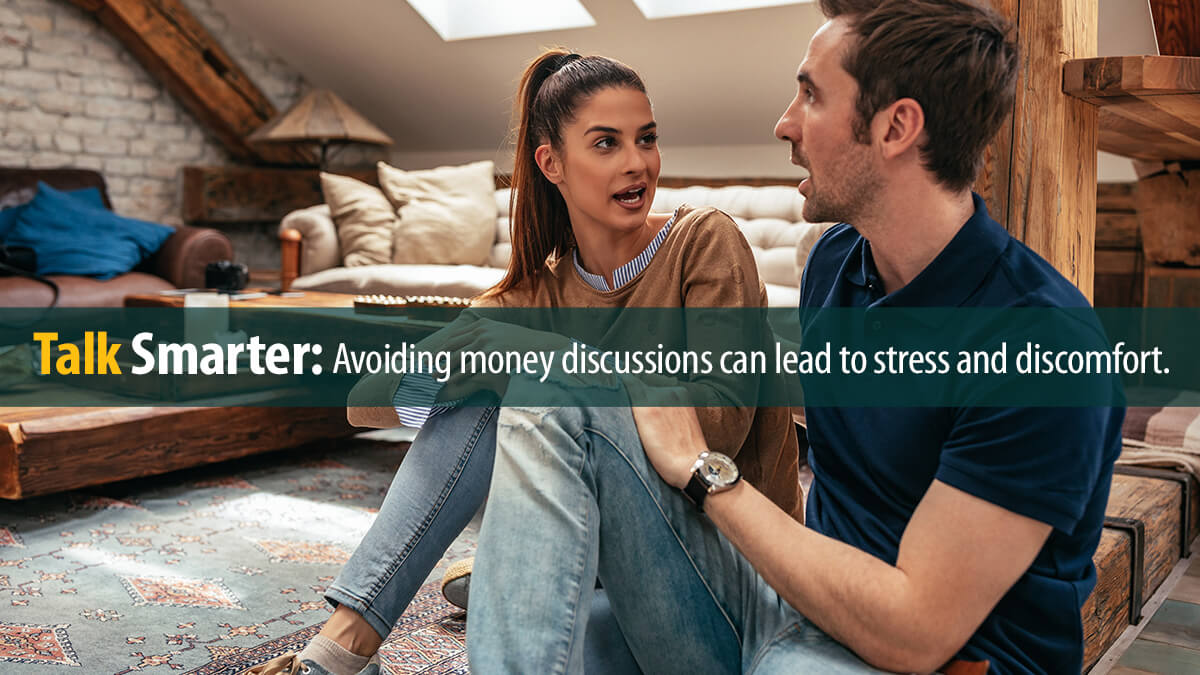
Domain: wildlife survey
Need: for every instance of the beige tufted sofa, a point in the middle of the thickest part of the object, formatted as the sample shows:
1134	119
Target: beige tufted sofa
769	217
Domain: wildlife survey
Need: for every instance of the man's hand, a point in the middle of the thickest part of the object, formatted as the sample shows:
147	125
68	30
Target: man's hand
672	439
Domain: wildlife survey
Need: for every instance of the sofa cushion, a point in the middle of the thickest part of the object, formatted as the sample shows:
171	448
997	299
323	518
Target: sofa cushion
782	296
447	214
459	281
772	201
320	249
776	265
804	246
771	218
72	236
502	245
364	218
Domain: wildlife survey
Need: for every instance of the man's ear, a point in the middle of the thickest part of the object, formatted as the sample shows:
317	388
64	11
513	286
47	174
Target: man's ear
548	161
899	127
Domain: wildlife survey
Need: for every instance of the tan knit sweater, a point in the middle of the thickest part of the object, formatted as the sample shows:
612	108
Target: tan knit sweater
704	262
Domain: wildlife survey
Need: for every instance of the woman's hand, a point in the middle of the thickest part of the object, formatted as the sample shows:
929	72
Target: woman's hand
436	342
487	336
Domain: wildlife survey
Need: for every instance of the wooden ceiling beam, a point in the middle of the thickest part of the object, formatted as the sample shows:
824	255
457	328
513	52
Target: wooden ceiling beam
178	51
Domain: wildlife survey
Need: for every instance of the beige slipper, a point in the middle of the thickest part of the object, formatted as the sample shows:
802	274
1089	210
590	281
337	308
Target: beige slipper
456	583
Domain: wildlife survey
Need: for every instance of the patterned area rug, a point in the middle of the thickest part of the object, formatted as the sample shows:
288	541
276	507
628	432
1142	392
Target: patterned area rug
210	570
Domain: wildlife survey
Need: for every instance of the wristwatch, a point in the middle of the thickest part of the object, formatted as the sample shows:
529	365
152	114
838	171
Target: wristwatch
712	473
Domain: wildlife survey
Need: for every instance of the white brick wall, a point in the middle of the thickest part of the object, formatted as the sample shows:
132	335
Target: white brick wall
72	96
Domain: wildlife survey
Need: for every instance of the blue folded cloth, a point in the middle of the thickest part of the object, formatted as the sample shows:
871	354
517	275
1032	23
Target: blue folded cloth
9	215
74	234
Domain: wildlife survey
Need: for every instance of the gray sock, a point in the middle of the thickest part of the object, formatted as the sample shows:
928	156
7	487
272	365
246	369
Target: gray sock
333	657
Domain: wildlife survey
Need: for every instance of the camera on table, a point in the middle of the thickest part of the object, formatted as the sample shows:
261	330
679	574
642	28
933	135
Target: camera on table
226	275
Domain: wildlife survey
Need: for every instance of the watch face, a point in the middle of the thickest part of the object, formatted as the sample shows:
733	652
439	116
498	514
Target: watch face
718	470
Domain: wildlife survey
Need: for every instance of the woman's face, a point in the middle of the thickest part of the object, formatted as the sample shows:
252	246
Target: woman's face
608	163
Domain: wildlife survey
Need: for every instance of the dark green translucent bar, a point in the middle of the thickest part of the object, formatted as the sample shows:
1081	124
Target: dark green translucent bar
738	357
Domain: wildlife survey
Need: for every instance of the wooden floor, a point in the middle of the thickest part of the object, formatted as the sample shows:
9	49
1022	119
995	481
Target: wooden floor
1170	641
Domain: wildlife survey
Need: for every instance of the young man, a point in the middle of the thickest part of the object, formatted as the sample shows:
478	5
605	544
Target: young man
934	535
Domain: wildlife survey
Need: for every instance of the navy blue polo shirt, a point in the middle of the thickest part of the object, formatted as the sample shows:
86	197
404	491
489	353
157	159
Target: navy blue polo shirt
873	465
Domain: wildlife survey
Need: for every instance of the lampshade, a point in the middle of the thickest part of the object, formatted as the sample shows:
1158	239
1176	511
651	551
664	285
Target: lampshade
320	117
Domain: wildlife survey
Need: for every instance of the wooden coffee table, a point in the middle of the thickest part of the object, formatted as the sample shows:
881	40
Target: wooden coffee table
84	442
50	449
350	324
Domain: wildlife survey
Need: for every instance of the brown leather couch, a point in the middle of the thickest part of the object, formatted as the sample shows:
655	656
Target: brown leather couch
179	263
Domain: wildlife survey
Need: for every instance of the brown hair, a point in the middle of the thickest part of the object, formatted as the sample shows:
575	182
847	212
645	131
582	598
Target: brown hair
553	87
952	56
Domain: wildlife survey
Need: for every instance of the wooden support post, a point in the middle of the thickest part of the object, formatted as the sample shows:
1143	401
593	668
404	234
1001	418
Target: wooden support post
1040	174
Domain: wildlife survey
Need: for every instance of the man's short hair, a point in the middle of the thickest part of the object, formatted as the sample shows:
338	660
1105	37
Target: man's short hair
951	56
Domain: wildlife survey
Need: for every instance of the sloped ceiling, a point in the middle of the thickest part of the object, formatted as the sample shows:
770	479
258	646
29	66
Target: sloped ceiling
720	79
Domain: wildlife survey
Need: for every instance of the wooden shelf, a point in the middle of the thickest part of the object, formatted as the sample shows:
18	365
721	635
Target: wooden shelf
1149	105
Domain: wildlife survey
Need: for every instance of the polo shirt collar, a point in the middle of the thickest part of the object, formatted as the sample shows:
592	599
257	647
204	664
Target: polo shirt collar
953	275
860	267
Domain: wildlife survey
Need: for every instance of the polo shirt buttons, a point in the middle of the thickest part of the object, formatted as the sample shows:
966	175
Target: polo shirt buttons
876	325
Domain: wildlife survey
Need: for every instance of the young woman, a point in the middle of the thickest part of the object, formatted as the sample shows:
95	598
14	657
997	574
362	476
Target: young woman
585	171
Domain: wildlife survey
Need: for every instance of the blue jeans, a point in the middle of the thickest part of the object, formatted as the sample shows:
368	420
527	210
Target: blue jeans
574	497
439	486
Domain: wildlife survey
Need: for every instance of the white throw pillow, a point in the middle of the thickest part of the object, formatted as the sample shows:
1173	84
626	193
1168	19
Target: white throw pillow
447	215
364	218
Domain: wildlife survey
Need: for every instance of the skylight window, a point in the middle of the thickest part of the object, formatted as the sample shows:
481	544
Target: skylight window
466	19
662	9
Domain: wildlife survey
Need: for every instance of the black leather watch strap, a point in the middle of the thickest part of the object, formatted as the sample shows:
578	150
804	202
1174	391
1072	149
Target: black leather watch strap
696	490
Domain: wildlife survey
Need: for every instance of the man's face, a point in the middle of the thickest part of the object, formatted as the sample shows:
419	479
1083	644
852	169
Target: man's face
843	177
